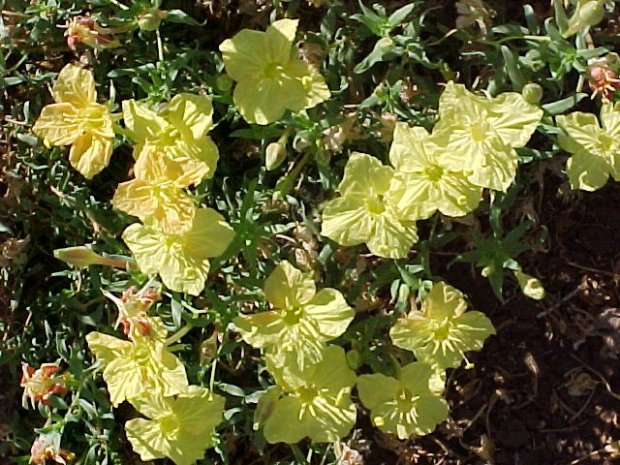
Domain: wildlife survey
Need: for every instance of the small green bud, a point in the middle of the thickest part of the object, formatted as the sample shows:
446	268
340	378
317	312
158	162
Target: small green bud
354	359
532	93
150	19
223	82
487	271
587	13
530	286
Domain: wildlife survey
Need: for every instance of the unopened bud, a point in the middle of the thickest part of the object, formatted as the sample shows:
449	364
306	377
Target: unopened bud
530	286
275	155
532	93
587	13
82	256
223	82
301	143
354	359
151	19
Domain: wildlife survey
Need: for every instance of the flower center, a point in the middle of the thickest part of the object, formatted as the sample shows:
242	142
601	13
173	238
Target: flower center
169	424
93	116
307	394
433	172
375	205
273	70
479	130
442	329
605	143
292	316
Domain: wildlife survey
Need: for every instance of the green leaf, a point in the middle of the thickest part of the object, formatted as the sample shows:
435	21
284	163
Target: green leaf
179	16
384	50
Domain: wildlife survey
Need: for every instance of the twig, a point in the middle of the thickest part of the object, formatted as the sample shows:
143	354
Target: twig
562	301
580	411
601	377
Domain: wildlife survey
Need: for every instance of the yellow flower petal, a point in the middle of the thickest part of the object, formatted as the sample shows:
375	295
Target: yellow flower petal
90	154
74	85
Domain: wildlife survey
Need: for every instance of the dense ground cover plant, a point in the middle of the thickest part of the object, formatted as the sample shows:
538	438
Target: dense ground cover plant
252	226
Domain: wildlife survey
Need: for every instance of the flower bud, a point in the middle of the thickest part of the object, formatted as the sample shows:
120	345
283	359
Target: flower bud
532	93
224	82
530	286
354	359
587	13
150	19
82	256
275	155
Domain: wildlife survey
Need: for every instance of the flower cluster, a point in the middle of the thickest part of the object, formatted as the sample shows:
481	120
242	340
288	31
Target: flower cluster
313	379
143	371
472	147
172	153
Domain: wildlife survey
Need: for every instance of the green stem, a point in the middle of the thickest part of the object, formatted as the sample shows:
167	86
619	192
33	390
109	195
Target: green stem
160	46
178	335
286	184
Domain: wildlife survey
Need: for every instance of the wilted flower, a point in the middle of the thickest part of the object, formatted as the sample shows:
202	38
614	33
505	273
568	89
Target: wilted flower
133	307
348	455
334	137
47	448
77	119
85	30
41	383
602	74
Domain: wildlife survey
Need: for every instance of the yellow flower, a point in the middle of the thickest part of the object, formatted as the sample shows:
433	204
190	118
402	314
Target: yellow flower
270	80
181	259
178	133
77	119
157	192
